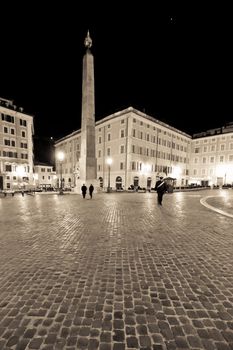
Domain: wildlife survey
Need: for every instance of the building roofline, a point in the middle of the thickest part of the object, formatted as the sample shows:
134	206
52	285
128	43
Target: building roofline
144	115
74	133
9	105
121	113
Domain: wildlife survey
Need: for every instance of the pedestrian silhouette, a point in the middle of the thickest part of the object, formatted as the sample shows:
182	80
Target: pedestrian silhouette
161	188
91	189
84	190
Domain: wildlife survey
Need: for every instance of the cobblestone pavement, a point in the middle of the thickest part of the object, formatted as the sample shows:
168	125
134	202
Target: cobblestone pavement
116	272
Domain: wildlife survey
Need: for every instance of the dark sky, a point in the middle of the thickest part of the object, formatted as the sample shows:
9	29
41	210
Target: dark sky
172	60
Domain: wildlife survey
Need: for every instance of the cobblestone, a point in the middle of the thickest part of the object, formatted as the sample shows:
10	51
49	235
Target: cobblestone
116	272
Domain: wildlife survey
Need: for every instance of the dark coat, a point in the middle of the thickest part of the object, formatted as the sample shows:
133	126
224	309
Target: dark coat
91	188
84	189
161	186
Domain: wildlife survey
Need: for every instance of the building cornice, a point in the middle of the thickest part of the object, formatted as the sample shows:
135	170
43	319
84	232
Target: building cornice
143	115
14	112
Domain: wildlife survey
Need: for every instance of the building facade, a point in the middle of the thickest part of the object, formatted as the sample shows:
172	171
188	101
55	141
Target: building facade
45	177
212	157
140	147
16	147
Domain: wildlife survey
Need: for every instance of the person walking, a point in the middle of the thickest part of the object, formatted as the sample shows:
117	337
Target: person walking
91	189
84	190
161	188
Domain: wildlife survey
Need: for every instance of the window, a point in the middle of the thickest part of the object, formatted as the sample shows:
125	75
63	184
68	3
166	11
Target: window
12	131
109	137
211	159
12	143
99	139
222	147
122	121
133	148
108	151
24	156
134	132
5	130
121	165
8	167
99	153
7	142
8	118
122	148
23	122
123	133
196	150
23	134
23	145
221	159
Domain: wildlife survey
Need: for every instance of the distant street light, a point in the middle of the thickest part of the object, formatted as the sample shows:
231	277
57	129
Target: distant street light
109	162
20	171
60	157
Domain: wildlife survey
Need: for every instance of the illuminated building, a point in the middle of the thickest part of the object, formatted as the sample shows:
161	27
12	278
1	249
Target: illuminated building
141	148
16	147
212	157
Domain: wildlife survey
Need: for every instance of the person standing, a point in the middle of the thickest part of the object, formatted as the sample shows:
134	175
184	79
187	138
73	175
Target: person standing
84	190
91	189
161	188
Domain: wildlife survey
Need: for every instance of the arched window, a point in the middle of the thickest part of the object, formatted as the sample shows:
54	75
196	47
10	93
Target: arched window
118	183
101	181
136	181
148	183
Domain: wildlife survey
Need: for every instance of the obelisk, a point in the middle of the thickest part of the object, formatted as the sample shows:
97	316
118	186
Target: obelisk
87	160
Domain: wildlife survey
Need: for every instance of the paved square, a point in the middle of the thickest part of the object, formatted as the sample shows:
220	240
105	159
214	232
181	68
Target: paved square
116	272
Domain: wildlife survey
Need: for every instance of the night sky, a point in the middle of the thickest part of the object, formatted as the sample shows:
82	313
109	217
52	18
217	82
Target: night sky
173	62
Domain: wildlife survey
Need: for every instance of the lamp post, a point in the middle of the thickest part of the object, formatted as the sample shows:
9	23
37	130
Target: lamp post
60	157
109	162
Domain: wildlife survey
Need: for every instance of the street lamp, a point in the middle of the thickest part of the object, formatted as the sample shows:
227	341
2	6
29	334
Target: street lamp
60	157
109	162
20	173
